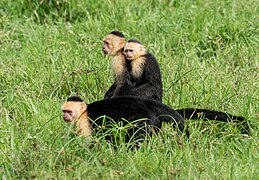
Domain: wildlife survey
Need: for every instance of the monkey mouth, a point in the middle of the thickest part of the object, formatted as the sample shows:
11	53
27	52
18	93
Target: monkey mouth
129	57
67	121
105	52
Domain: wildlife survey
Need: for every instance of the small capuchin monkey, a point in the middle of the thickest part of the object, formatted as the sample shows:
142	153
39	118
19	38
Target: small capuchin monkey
141	112
142	78
145	74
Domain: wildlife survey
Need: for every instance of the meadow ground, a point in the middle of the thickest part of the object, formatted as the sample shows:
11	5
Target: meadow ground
208	54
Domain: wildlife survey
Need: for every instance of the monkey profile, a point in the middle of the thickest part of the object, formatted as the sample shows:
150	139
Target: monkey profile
113	45
75	111
132	109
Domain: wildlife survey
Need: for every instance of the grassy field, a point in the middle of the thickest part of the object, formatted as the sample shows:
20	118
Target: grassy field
208	54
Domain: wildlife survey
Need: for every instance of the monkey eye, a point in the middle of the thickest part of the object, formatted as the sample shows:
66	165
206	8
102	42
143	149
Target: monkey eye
67	111
128	50
106	43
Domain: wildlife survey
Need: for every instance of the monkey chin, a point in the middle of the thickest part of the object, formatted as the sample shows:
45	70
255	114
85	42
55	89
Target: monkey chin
129	58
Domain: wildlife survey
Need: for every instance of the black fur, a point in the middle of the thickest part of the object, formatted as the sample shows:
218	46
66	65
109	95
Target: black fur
149	85
110	92
134	41
75	98
192	113
117	33
134	108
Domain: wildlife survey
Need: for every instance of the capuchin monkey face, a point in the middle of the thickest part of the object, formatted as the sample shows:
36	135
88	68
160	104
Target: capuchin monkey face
106	47
133	50
112	44
72	110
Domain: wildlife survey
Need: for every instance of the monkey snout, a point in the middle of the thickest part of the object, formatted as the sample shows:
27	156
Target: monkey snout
104	51
129	57
67	119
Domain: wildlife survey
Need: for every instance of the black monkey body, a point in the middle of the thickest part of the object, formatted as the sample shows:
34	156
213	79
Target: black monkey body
147	83
134	110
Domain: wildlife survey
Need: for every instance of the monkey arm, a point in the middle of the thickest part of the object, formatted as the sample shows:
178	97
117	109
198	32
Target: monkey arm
123	88
124	85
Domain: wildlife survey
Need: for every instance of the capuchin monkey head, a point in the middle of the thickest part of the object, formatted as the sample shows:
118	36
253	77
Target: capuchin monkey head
73	108
113	43
133	49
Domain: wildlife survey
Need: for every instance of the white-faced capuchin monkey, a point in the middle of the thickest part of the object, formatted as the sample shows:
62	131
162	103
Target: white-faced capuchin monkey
75	111
125	109
145	74
113	46
143	79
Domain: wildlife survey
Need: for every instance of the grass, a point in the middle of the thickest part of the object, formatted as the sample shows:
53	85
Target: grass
208	54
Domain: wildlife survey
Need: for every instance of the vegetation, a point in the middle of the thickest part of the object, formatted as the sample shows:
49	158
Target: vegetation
208	53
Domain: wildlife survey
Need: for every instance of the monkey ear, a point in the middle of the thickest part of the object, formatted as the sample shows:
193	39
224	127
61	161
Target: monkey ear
142	50
83	106
122	42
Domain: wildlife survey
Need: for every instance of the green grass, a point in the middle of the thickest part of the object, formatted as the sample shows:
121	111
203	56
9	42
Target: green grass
208	54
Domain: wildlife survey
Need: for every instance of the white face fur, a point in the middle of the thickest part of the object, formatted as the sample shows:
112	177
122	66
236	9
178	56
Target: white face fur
133	50
112	44
72	110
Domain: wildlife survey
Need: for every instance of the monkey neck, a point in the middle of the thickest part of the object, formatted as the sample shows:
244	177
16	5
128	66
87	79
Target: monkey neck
137	66
118	64
83	125
118	51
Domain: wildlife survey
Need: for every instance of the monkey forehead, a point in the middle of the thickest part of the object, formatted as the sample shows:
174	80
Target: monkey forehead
133	46
111	38
70	105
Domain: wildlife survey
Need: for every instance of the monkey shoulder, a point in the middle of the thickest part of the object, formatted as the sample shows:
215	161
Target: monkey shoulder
152	70
151	62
